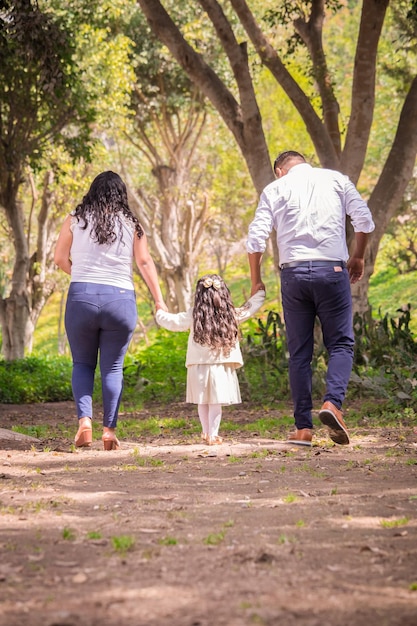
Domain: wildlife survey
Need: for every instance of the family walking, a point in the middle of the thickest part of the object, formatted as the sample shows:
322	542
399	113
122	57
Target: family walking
307	207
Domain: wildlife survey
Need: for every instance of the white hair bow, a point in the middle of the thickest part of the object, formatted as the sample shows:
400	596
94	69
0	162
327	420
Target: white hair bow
212	282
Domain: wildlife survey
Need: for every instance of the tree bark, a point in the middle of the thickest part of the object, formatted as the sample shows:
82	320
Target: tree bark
15	308
42	93
390	188
363	88
311	32
30	286
176	257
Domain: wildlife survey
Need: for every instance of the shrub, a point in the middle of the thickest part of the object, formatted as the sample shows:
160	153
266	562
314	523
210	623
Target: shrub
35	379
385	367
265	371
157	372
385	363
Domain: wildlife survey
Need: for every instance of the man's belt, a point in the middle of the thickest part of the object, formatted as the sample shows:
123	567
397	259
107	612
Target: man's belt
313	264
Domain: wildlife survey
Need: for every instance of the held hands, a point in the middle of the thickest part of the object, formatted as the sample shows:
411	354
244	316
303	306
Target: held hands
259	286
160	304
355	267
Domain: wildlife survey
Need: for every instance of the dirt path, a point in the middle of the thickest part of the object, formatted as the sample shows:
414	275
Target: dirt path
168	533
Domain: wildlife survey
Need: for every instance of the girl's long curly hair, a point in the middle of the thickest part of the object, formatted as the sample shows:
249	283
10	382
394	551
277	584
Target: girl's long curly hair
214	316
103	205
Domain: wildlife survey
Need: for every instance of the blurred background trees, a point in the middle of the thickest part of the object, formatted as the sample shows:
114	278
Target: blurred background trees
289	39
190	102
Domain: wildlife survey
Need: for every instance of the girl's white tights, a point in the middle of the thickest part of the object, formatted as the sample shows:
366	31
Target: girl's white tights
210	417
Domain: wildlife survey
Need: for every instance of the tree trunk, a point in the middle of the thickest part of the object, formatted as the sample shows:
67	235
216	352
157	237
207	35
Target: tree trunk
15	322
175	230
363	88
15	308
176	215
19	311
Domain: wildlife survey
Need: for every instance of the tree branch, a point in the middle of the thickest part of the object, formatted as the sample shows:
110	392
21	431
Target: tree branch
322	141
311	33
363	87
243	120
399	166
193	63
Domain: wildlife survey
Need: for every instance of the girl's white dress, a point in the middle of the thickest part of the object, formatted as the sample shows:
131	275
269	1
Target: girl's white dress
212	384
211	375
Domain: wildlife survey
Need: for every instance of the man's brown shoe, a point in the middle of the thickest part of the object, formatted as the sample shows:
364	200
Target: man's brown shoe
332	417
301	437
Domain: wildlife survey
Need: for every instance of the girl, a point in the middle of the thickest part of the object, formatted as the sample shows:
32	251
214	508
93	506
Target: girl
213	352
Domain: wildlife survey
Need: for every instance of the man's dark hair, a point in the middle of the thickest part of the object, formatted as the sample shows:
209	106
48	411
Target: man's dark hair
285	156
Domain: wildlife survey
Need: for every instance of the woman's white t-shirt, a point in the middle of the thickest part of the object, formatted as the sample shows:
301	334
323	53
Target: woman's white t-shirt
105	264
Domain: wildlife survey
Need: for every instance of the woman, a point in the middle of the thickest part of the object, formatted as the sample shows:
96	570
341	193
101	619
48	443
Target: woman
96	246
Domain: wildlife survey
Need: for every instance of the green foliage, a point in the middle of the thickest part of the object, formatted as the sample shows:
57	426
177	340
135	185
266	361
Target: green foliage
266	360
392	292
123	544
40	89
397	253
375	339
39	431
35	379
94	534
287	13
385	358
68	534
167	541
394	523
214	538
161	85
163	369
385	364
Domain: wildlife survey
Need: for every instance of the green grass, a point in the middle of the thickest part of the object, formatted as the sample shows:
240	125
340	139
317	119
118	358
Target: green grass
167	541
390	291
188	429
394	523
141	461
163	373
123	544
290	498
68	534
214	538
155	426
94	534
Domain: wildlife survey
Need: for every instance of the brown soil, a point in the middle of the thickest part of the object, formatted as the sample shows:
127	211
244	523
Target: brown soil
246	533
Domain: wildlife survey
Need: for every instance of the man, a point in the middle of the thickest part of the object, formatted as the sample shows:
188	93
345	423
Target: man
308	207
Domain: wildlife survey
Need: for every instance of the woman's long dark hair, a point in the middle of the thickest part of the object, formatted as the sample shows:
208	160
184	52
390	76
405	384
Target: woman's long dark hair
103	204
214	316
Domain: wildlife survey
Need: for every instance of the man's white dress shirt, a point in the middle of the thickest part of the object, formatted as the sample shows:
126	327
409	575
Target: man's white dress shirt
308	209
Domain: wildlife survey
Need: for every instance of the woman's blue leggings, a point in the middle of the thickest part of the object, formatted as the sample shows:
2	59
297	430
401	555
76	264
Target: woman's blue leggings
99	319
